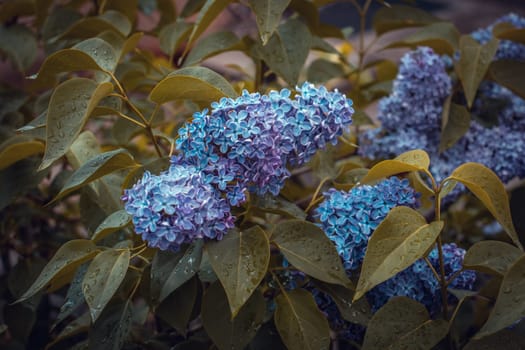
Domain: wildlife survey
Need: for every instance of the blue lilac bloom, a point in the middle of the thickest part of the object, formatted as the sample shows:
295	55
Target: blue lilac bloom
349	218
176	207
419	283
246	143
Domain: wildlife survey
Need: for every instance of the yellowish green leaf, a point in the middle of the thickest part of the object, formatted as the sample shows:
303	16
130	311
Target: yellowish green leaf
491	257
112	223
18	148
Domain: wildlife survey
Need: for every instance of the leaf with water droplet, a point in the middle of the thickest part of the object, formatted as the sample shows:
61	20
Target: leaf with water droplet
510	303
228	333
183	301
70	105
400	239
67	259
112	327
486	185
212	45
300	323
240	261
268	15
74	297
97	167
473	64
18	148
103	277
112	223
308	248
78	326
492	257
171	270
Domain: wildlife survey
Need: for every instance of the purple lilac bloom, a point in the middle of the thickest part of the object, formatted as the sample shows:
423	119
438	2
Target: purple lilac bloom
176	207
419	283
349	218
246	143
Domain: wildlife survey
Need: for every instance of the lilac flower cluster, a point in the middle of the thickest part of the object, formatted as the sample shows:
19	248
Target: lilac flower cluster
246	143
419	283
176	207
349	218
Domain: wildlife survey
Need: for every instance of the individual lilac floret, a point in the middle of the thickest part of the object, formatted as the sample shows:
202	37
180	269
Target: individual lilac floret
247	142
419	283
349	218
507	49
177	207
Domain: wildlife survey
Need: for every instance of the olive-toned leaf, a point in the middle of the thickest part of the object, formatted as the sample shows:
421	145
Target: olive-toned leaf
172	35
300	323
442	37
400	16
486	185
19	44
474	61
74	297
416	160
400	239
67	259
191	7
18	148
491	257
361	118
112	327
228	333
208	12
323	164
308	248
95	168
509	306
211	45
455	122
125	7
102	279
171	270
10	9
112	223
287	49
510	74
176	309
78	326
71	103
198	84
506	31
268	14
277	205
322	70
510	339
425	336
92	26
240	261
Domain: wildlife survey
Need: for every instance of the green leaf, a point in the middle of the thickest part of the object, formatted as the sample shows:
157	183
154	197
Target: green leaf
74	297
510	74
26	175
172	36
210	10
112	327
277	205
68	257
513	340
18	43
300	323
112	223
473	64
442	37
308	248
92	26
228	333
103	277
491	257
171	270
403	324
400	16
361	118
212	45
506	31
183	301
509	306
416	160
287	49
97	167
455	122
71	103
486	185
198	84
268	14
240	261
18	148
322	70
400	239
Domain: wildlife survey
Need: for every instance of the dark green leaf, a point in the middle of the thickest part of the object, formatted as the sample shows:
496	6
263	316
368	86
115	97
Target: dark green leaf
361	118
172	36
74	297
400	239
112	223
277	205
171	270
510	339
510	74
268	14
212	45
228	333
491	257
240	261
18	148
455	122
486	185
19	44
400	16
71	103
442	37
473	64
176	309
322	70
299	322
308	248
20	319
92	26
27	177
112	327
